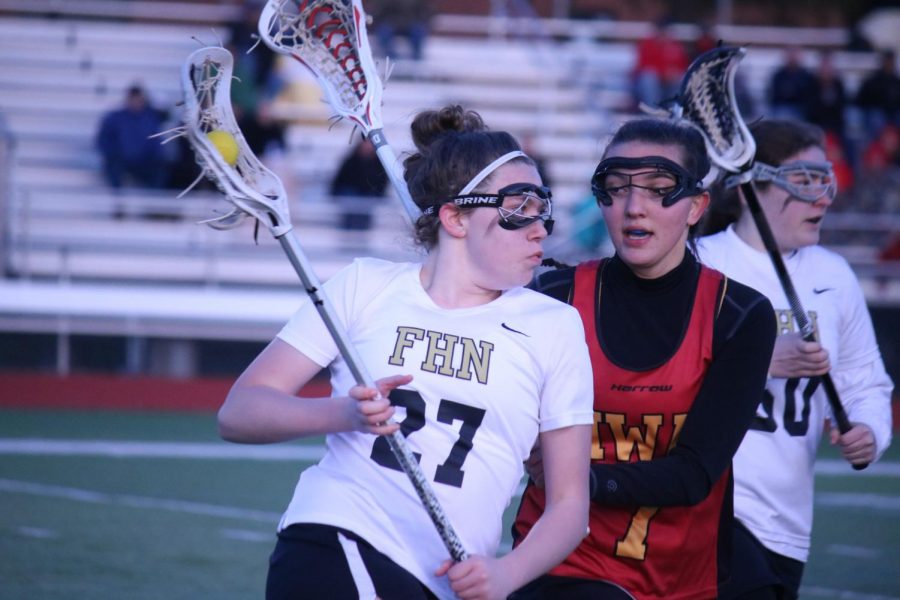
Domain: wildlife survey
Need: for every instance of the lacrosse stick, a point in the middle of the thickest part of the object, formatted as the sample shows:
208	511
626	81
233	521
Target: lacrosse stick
707	102
329	38
255	190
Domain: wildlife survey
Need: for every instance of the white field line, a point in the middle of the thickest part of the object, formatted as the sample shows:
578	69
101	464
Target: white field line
127	449
225	451
199	508
853	551
129	500
834	467
811	591
855	500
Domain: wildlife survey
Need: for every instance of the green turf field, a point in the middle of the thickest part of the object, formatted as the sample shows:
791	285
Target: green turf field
169	511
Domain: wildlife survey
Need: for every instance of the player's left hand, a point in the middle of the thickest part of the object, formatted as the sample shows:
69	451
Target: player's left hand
476	578
857	445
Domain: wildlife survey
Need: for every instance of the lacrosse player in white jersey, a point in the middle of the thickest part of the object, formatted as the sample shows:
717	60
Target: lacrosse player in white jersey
773	469
475	366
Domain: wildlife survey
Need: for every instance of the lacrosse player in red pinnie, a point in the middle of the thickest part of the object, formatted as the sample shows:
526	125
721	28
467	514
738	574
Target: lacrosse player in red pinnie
773	468
473	366
679	355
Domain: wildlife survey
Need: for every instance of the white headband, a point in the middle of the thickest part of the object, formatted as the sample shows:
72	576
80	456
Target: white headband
490	169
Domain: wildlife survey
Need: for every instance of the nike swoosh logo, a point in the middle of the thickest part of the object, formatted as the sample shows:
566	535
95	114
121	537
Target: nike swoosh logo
822	290
508	328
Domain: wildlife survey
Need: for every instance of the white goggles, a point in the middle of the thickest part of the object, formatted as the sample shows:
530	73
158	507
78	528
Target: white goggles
804	180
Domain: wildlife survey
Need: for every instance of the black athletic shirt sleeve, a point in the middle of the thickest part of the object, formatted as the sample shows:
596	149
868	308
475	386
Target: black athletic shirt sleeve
716	422
743	339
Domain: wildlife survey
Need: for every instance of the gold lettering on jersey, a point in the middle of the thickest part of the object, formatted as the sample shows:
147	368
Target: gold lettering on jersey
634	543
440	345
597	451
471	357
403	342
628	440
814	321
444	351
786	323
631	439
678	419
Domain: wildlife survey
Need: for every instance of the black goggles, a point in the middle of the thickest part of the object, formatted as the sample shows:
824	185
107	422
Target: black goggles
519	205
662	178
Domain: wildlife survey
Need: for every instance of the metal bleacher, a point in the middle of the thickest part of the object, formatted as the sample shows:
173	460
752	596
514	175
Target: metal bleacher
78	258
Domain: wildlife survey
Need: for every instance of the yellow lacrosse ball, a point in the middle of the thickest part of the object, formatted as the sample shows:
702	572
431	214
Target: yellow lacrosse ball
225	144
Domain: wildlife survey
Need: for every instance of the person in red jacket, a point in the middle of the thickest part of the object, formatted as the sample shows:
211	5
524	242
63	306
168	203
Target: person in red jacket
660	64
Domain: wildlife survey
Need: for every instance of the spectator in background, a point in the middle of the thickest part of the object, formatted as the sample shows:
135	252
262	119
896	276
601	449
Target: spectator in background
827	108
255	84
183	169
791	87
661	63
359	179
529	147
829	100
837	155
262	132
406	18
259	64
883	152
879	96
124	141
589	234
705	41
891	250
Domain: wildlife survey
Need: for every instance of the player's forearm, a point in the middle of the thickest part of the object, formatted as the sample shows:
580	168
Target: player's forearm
262	415
866	393
554	536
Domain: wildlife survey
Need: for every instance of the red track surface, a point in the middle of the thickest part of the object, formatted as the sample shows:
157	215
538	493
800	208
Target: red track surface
32	390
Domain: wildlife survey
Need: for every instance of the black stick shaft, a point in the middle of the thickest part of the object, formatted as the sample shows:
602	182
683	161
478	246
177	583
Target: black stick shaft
806	328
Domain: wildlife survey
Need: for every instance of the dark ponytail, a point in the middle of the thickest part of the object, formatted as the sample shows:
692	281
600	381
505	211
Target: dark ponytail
452	146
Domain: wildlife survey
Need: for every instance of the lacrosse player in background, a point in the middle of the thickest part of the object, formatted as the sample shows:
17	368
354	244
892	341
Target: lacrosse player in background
679	355
773	468
494	366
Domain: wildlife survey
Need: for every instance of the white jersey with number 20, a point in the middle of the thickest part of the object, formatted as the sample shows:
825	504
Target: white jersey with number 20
773	469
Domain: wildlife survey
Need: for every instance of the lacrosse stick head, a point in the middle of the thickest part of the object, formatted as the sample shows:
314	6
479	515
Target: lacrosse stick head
329	37
707	102
252	188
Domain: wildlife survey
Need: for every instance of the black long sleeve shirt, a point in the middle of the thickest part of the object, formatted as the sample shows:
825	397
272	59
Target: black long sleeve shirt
640	324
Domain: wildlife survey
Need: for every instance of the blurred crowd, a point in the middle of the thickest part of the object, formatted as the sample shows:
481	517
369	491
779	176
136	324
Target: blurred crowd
862	124
861	115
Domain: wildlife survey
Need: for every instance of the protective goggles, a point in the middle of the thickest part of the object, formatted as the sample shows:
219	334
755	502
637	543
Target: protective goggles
661	178
519	205
804	180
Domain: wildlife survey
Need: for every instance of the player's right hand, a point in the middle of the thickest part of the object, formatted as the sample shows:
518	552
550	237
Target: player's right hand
795	357
372	409
476	578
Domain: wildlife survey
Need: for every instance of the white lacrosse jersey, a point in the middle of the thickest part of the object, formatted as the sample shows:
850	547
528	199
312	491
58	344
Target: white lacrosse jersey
486	381
773	468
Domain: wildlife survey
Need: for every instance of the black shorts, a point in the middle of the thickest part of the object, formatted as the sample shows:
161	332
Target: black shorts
551	587
320	561
757	573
